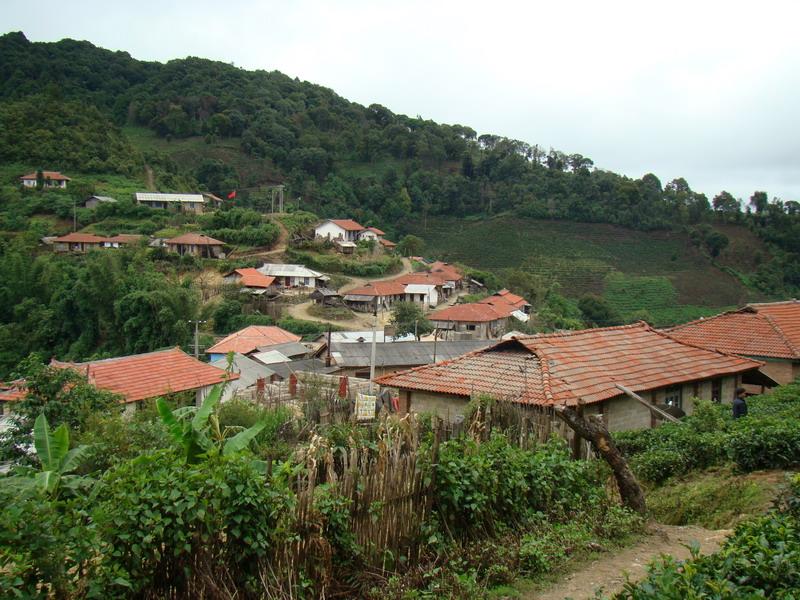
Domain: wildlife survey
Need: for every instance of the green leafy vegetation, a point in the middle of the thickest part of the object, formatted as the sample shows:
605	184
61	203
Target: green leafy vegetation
760	560
768	438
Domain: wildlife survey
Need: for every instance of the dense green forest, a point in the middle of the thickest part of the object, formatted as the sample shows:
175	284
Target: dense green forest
118	125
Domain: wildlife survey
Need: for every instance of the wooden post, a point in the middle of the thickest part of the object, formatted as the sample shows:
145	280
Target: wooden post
649	406
594	430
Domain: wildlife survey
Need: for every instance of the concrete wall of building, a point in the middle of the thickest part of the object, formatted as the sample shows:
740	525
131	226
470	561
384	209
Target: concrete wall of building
451	408
782	371
330	231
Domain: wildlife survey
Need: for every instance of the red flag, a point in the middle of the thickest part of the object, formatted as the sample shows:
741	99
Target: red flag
232	195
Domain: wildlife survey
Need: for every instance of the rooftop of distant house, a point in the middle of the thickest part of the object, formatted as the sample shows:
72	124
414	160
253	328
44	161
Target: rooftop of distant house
195	239
51	175
556	368
347	224
250	338
469	313
150	375
768	329
251	277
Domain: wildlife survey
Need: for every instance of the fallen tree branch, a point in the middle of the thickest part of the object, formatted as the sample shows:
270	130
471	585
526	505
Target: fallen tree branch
594	430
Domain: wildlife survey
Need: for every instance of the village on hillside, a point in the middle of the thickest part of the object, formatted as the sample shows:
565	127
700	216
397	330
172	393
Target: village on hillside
259	341
431	337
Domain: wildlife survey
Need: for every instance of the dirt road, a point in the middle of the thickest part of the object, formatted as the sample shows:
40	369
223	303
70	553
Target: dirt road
359	321
607	572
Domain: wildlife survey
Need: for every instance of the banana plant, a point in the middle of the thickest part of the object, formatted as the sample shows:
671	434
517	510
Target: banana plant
198	432
57	460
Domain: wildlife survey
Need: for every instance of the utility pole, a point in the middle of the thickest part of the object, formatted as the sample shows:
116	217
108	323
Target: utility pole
374	341
196	338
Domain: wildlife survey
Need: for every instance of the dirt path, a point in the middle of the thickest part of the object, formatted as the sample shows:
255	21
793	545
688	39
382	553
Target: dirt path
149	178
607	572
360	321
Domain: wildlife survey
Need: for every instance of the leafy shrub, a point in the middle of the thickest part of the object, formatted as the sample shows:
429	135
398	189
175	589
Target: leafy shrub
333	263
46	547
480	485
766	443
220	516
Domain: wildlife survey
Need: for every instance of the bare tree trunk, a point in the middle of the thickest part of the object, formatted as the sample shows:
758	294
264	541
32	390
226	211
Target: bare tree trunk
595	431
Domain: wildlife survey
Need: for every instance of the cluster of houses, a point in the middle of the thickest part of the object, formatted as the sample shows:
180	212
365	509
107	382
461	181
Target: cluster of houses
191	203
755	347
346	233
194	244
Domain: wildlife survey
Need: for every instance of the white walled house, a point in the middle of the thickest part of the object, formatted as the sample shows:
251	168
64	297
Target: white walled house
371	233
339	229
52	179
294	276
193	203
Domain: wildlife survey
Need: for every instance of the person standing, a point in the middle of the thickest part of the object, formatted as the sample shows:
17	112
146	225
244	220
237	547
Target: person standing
739	404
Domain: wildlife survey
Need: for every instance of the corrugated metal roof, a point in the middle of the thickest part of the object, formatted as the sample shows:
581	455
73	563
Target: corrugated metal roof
279	270
404	353
248	369
287	348
307	365
156	197
270	357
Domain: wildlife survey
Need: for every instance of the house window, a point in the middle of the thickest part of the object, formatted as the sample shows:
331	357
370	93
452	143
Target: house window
471	327
716	389
674	396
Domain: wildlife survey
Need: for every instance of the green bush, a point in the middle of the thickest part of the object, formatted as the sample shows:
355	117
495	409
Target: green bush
768	443
334	263
768	438
162	521
480	485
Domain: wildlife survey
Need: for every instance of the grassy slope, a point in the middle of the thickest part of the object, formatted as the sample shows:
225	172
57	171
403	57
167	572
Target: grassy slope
659	272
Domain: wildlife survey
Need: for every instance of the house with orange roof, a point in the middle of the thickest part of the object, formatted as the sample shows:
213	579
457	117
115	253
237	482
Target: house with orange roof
545	370
196	244
10	393
376	295
51	179
250	339
140	377
252	280
449	273
472	320
83	242
508	302
769	332
339	229
79	242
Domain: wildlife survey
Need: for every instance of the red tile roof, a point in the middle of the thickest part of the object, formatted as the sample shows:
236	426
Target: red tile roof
81	238
379	288
446	270
251	277
250	338
506	297
52	175
12	391
770	330
785	315
562	367
421	278
348	224
125	238
195	239
386	243
469	313
143	376
376	231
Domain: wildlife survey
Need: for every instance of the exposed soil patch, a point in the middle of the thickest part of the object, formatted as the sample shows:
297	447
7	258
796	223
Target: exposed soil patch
607	573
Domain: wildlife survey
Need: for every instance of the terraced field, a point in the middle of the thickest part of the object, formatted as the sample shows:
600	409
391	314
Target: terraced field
660	272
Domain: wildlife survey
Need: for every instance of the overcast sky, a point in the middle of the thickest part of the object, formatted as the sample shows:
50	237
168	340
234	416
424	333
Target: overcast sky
704	90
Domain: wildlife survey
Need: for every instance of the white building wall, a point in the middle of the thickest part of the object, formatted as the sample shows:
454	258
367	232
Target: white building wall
330	231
